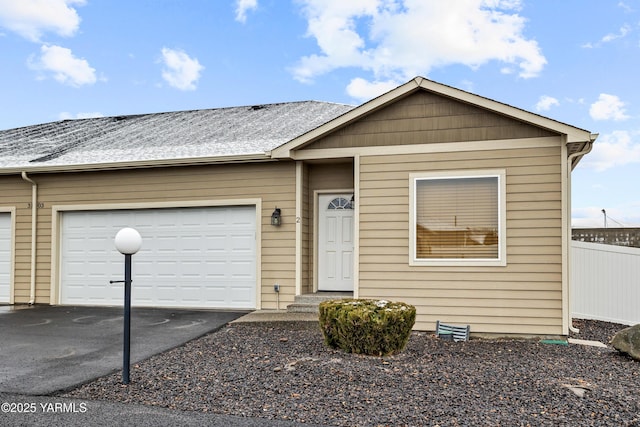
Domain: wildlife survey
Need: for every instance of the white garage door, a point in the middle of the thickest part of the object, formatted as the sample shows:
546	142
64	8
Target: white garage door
190	257
5	257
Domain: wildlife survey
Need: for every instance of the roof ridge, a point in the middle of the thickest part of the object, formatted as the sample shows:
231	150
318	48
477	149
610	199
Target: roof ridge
119	117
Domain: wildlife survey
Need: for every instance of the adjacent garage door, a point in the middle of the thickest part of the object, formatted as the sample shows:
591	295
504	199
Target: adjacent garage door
190	257
5	257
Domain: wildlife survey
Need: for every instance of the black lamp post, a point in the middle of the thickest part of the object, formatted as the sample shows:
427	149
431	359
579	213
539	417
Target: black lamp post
128	242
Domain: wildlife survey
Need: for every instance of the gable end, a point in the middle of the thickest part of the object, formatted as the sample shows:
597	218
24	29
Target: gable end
424	117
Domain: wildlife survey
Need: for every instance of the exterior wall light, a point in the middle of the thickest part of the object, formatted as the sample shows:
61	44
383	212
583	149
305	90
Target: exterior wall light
276	218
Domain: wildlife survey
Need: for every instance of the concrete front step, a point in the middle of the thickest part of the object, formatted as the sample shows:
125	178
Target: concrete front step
303	308
276	316
309	303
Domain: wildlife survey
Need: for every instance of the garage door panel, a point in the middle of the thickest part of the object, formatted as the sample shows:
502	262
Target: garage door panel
98	294
242	219
239	294
162	245
191	294
83	244
5	257
217	243
217	296
240	269
141	292
242	242
191	257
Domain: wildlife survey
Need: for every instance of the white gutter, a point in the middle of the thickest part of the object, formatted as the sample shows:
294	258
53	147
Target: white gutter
570	158
34	223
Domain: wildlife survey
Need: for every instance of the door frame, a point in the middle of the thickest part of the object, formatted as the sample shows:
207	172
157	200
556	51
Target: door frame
316	224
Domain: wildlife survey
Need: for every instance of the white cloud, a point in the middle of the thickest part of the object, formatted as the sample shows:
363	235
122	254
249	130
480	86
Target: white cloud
361	89
624	30
32	18
608	107
182	71
608	38
242	6
625	7
546	102
65	68
615	149
70	116
399	39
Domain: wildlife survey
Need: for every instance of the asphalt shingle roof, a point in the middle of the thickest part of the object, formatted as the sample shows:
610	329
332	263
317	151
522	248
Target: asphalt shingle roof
220	132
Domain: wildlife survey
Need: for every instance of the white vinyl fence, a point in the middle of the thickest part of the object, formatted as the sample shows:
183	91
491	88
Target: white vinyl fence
605	282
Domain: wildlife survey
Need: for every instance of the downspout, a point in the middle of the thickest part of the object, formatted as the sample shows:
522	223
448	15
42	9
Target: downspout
570	158
34	223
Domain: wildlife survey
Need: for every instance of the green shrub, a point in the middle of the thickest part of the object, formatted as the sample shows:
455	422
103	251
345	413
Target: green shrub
372	327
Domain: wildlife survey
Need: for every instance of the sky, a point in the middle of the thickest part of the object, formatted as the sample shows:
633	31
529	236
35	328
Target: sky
576	61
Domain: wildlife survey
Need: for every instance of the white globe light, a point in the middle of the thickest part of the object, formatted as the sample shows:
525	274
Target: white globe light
128	241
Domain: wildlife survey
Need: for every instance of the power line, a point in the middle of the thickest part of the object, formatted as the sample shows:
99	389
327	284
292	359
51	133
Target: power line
616	221
608	217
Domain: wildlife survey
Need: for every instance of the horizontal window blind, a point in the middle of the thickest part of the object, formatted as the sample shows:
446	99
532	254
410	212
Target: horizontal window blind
457	218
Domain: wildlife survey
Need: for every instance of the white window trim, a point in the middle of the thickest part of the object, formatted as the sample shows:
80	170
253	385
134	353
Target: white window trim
501	261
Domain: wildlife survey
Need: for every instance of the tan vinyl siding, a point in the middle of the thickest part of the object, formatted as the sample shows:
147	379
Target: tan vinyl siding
523	297
273	183
424	118
16	193
331	176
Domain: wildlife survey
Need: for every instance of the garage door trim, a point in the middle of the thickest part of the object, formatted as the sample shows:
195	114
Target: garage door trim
12	253
58	210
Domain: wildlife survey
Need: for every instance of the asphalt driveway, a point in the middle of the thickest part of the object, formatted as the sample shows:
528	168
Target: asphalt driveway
44	349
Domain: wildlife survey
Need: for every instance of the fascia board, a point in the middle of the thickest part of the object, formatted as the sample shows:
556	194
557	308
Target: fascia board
446	147
142	164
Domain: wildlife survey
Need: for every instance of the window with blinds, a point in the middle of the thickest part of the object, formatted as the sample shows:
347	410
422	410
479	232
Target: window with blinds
457	217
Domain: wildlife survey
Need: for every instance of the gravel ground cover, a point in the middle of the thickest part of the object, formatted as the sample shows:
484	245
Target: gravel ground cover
284	371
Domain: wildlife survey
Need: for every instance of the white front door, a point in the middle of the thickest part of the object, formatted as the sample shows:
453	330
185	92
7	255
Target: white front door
335	242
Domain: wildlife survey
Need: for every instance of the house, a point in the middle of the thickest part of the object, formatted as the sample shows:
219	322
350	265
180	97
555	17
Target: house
619	236
428	194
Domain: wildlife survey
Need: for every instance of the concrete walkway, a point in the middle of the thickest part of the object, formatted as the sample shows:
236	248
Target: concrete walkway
276	316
